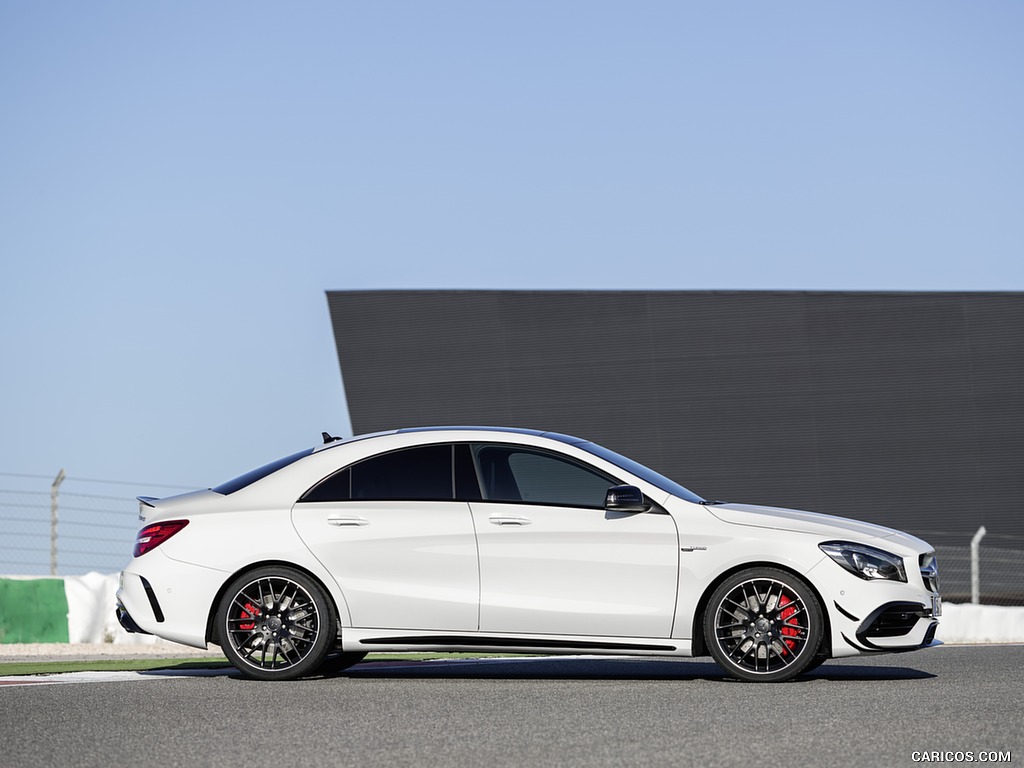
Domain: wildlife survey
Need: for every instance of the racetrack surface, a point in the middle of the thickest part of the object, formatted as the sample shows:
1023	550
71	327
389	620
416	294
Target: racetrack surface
576	711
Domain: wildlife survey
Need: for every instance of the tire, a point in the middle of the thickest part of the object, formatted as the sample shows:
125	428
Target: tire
338	662
764	625
276	623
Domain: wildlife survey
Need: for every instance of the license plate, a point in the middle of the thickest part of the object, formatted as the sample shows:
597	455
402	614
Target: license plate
936	605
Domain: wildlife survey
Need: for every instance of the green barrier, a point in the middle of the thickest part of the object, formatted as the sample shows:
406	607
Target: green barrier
33	611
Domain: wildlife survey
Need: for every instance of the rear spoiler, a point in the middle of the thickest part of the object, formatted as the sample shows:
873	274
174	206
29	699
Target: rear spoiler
144	503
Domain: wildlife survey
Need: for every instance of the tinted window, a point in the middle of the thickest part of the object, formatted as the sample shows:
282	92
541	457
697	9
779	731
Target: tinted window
337	487
258	474
511	473
423	473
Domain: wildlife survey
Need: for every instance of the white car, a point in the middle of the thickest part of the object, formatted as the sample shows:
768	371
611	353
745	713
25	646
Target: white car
512	540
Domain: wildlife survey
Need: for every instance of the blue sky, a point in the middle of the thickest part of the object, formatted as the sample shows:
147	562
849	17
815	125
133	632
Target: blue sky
180	183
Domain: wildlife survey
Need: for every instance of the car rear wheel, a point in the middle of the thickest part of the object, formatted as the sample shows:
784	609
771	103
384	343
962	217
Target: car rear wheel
765	625
276	623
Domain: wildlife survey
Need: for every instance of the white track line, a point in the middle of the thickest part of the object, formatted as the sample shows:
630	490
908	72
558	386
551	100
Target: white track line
63	678
109	677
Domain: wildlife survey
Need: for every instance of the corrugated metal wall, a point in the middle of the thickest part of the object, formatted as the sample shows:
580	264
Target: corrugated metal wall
900	408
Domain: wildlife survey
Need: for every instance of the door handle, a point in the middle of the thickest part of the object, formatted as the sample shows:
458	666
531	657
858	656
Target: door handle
341	520
508	520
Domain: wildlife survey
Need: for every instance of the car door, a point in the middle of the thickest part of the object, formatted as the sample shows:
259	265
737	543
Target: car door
554	561
402	551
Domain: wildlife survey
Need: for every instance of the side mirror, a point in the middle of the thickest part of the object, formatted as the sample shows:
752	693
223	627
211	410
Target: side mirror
625	498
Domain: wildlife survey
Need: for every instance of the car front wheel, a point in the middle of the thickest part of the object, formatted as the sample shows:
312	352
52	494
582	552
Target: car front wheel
276	623
764	625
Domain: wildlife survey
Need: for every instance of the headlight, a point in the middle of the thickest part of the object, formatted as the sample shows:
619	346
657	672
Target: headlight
864	561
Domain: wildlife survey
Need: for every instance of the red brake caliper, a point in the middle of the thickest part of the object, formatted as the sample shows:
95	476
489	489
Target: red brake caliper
789	628
249	613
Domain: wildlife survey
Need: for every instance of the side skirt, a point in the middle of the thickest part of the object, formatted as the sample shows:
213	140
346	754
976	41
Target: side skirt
404	640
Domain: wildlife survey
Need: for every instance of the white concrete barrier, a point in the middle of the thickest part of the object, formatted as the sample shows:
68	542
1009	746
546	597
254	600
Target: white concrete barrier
91	617
966	623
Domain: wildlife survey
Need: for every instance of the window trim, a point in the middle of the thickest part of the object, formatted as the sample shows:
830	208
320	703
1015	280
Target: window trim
474	445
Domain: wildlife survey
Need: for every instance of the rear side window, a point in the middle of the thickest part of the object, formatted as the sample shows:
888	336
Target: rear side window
417	473
414	474
337	487
252	476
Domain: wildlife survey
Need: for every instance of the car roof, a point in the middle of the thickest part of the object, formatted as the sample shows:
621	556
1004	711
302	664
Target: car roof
515	430
567	439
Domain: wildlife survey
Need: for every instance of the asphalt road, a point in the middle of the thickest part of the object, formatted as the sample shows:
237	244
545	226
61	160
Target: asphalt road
545	712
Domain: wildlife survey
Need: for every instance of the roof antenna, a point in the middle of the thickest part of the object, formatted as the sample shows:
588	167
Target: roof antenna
329	439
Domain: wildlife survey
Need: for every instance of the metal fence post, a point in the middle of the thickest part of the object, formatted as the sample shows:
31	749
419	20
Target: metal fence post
975	574
54	490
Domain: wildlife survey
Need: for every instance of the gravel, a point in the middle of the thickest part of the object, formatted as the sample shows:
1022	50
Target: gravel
91	651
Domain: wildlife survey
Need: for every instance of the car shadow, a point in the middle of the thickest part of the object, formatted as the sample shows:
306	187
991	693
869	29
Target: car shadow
589	668
863	673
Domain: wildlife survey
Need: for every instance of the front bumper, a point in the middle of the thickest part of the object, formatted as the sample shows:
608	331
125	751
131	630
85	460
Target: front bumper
898	626
879	616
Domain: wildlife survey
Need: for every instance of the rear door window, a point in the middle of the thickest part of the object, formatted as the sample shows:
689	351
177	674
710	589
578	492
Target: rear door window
423	473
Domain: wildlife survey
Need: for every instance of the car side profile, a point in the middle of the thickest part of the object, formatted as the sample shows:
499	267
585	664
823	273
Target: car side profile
512	540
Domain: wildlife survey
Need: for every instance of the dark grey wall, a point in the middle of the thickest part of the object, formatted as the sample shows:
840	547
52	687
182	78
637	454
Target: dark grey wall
900	408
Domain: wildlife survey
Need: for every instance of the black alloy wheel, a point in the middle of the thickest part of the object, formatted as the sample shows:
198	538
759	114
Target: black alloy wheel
764	625
276	623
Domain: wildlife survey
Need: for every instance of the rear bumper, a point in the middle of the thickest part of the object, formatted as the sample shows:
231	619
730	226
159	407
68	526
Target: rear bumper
127	622
169	599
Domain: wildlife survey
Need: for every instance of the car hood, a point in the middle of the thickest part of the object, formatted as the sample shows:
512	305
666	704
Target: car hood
813	523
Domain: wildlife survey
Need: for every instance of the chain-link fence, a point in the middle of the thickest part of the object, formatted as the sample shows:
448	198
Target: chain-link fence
997	575
93	532
24	532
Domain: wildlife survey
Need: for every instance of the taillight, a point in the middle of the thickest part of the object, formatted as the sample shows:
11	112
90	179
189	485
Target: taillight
152	536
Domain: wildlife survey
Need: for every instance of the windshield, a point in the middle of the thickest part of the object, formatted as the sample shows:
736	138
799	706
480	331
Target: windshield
645	473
